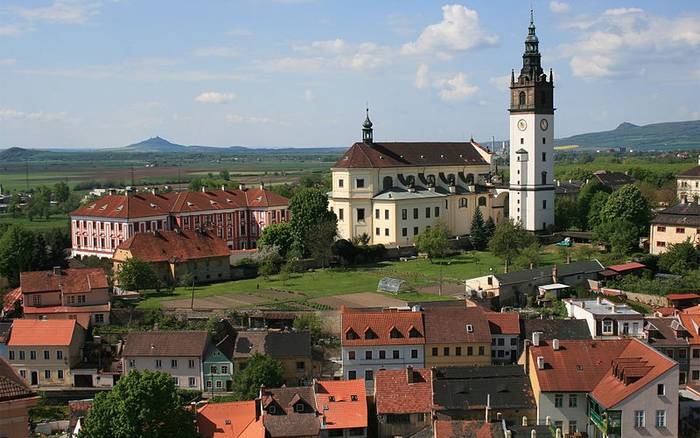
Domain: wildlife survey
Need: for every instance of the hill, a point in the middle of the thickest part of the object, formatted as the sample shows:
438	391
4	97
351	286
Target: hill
656	136
17	154
163	146
155	144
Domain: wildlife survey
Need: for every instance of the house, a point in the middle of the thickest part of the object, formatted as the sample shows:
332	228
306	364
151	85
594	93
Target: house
471	393
230	420
614	271
568	188
290	412
16	399
606	319
343	408
691	322
291	349
456	336
682	301
615	388
178	353
612	180
505	336
218	365
380	339
43	352
548	329
403	398
4	337
81	294
688	184
179	255
674	225
236	216
670	337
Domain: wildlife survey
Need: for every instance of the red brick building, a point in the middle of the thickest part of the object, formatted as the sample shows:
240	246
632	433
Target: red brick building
236	216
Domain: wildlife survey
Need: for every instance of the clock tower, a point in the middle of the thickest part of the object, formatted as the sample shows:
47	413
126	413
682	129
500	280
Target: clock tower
531	191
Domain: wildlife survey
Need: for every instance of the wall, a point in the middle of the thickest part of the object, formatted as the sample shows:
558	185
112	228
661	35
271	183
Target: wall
360	364
506	353
565	414
14	417
388	429
453	360
292	375
183	371
26	366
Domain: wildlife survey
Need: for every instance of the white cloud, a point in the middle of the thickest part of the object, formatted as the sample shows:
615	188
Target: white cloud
422	80
215	97
328	55
502	83
43	116
559	7
622	11
239	32
455	88
335	46
7	61
218	51
248	120
309	95
459	30
61	11
10	30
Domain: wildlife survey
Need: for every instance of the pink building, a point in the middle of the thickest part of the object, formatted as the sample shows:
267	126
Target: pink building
237	216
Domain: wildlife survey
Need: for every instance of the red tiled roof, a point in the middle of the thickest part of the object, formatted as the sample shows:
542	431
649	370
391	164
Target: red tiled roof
692	310
381	324
626	267
588	366
464	429
349	405
9	300
506	323
30	310
12	386
394	395
181	245
680	297
166	343
228	420
449	325
51	332
361	155
665	311
69	281
692	323
143	204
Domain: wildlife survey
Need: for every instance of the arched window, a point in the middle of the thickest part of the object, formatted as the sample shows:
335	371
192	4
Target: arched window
482	201
470	178
387	182
431	180
544	177
521	98
463	203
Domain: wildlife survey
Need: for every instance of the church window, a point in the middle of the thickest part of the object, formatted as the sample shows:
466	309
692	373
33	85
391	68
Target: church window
544	177
544	155
388	182
544	140
544	204
463	203
482	201
522	140
521	98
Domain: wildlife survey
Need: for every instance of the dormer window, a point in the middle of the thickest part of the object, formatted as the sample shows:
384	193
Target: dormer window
299	407
351	335
469	328
331	398
395	333
272	409
369	334
414	333
353	397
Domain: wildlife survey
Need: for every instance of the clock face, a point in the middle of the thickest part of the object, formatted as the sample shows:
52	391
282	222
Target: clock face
544	124
522	124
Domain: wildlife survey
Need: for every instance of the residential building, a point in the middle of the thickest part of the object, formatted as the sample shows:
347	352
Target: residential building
237	216
670	337
290	412
456	336
178	353
4	337
673	225
691	322
612	180
567	189
291	349
681	301
179	255
505	336
468	429
688	184
548	329
230	420
218	365
385	339
606	319
403	398
81	294
44	351
342	405
614	388
16	398
471	393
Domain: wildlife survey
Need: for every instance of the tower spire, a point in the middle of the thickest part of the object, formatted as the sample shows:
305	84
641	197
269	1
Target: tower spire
367	128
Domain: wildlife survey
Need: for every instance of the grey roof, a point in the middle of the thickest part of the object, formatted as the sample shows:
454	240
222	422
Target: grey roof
285	421
525	431
166	344
613	179
692	172
249	343
662	331
687	214
399	193
563	270
570	329
276	344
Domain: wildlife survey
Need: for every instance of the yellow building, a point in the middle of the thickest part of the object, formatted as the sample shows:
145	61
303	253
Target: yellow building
456	336
688	184
395	191
673	225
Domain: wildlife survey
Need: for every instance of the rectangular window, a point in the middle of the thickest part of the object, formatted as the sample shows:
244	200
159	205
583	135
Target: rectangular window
437	211
661	418
660	389
159	363
301	365
219	384
386	214
368	355
680	230
224	369
360	183
558	400
513	341
695	375
696	353
415	231
176	381
661	229
482	350
386	231
501	342
369	375
404	232
544	204
544	154
32	355
360	215
47	374
427	212
192	382
173	363
377	231
132	363
395	354
352	375
47	355
435	351
21	355
573	400
446	351
639	420
351	355
415	213
544	141
382	354
213	369
404	214
99	318
607	326
458	351
191	363
341	214
12	355
522	140
341	183
59	374
573	427
376	213
414	355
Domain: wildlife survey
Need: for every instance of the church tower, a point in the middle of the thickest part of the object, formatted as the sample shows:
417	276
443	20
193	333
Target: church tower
531	190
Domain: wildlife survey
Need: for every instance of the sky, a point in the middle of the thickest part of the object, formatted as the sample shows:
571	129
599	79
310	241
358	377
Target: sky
107	73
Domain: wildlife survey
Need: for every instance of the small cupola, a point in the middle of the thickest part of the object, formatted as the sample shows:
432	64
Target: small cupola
367	129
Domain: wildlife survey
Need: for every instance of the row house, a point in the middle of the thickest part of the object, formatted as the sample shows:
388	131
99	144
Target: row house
691	322
614	388
670	337
505	336
236	216
456	335
177	353
606	319
81	294
16	399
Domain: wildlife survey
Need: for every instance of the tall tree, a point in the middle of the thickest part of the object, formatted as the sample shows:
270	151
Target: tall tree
509	240
61	192
320	241
57	240
619	236
628	204
433	241
489	227
565	213
309	208
530	256
260	370
584	200
17	249
142	404
477	234
680	258
595	210
136	274
279	235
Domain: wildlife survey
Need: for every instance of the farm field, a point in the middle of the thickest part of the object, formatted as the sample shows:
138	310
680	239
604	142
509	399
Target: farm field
38	224
615	164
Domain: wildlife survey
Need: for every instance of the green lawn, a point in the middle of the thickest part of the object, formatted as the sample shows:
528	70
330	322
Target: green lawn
329	282
38	224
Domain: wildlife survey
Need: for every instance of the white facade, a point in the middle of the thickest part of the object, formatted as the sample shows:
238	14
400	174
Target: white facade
566	410
369	359
605	319
187	372
504	349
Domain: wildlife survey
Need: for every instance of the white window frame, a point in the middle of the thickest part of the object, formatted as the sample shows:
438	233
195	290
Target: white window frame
660	418
606	322
639	419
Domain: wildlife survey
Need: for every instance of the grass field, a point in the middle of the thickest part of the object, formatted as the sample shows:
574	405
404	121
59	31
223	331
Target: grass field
38	224
615	164
329	282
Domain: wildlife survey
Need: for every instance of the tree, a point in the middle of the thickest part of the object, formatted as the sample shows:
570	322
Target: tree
142	404
529	256
565	213
320	240
595	211
508	241
57	240
61	192
361	239
628	204
490	227
39	204
260	370
17	249
584	201
433	241
136	274
309	209
679	258
279	235
14	207
225	175
619	236
477	234
308	321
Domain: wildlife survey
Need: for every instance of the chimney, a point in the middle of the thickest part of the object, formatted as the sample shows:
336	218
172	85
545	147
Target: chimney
409	374
57	270
509	434
533	433
555	344
540	362
323	421
262	185
241	186
524	422
258	409
453	189
204	189
223	187
262	392
154	190
487	419
598	300
499	416
112	191
558	433
536	338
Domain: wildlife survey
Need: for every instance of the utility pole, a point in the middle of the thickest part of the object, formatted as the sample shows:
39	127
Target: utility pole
192	300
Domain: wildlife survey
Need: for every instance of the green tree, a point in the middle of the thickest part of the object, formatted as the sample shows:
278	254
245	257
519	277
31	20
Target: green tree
279	235
309	209
433	241
530	256
142	404
225	175
477	234
508	240
308	321
61	192
17	249
489	227
39	204
619	237
628	204
679	258
595	211
136	274
14	207
57	240
565	213
320	241
584	200
260	370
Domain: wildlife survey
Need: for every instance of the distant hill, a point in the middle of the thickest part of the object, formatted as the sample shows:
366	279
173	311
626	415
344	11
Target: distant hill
657	136
17	154
163	146
155	144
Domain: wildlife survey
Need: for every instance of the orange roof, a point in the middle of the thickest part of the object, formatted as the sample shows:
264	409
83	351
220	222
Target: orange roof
591	366
31	332
30	310
346	401
229	420
692	310
506	323
76	280
394	395
376	327
692	323
9	300
181	245
138	205
665	311
626	267
683	296
465	429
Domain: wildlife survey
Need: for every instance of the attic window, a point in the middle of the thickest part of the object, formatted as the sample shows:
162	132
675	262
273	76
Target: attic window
120	208
212	202
92	206
442	156
331	398
104	207
395	333
353	397
470	328
579	367
421	157
299	407
153	205
414	333
369	334
271	409
228	200
351	335
189	204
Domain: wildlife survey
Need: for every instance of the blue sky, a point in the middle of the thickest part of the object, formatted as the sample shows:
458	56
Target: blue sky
105	73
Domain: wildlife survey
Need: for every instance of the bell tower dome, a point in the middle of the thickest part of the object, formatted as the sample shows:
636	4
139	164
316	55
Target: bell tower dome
367	129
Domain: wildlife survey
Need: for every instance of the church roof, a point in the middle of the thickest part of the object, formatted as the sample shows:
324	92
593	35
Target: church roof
407	154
